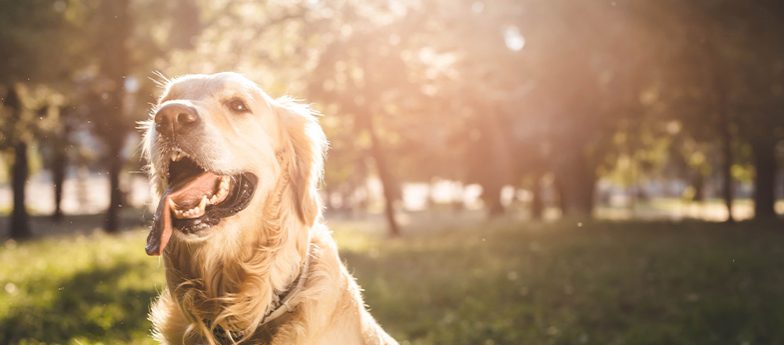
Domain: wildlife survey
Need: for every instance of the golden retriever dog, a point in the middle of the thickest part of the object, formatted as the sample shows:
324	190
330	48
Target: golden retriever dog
248	259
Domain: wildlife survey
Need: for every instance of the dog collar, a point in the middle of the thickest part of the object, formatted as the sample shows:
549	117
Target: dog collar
283	303
285	300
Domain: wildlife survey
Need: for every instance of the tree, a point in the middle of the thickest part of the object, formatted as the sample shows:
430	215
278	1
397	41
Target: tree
111	123
59	159
758	53
19	137
113	106
55	144
739	50
30	31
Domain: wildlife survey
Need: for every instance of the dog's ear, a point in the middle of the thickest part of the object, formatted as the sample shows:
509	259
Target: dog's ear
303	154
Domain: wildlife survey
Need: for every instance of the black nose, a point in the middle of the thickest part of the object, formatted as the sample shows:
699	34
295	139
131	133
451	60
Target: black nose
175	118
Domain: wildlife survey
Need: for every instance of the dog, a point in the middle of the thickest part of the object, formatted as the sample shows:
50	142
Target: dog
247	257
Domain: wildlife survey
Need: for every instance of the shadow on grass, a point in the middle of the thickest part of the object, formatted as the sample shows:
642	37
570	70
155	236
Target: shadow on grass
44	225
91	305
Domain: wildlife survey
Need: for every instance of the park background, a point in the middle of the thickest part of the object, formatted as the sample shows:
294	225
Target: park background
500	172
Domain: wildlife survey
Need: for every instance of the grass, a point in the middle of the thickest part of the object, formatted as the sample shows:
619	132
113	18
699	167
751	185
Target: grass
487	283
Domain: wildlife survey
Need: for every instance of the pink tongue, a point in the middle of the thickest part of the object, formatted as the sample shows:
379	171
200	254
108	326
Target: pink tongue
189	193
185	195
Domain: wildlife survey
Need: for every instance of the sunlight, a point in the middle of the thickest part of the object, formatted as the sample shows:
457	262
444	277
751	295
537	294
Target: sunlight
472	188
513	38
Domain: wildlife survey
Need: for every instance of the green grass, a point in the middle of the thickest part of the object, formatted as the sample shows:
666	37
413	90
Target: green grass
489	283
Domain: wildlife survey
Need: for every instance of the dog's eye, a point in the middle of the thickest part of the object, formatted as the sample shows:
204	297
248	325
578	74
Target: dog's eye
237	105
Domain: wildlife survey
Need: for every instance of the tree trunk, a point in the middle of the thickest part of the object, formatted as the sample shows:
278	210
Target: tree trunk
765	165
698	183
726	163
113	125
560	191
537	199
20	220
112	223
59	160
583	202
491	196
457	201
579	179
724	124
490	158
388	186
388	183
59	164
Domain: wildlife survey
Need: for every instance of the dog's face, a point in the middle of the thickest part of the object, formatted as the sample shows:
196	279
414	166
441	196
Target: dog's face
217	145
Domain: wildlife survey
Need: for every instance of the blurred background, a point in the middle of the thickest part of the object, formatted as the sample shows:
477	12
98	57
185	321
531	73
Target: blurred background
500	172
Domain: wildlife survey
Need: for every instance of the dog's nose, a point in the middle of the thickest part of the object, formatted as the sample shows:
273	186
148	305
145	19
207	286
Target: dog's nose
175	118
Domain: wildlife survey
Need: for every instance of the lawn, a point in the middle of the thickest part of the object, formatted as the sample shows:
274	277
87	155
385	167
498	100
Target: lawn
486	283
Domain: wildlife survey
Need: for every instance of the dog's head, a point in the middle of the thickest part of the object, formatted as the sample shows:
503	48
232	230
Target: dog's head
217	147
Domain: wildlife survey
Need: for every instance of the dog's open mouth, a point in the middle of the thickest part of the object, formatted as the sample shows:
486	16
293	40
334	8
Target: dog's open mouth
196	199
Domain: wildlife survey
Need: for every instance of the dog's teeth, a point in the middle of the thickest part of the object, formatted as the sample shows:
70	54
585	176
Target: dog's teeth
198	210
195	212
177	155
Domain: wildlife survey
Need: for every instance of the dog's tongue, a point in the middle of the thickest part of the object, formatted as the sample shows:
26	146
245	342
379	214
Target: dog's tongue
186	194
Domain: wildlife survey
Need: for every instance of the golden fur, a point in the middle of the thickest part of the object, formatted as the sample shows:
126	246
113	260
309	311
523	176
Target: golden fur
231	275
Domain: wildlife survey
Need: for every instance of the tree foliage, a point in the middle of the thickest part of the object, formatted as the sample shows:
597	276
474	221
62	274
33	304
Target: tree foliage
498	93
